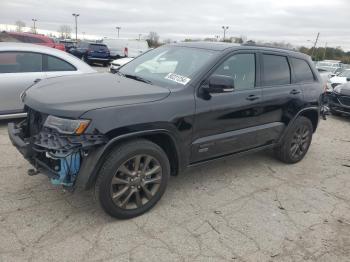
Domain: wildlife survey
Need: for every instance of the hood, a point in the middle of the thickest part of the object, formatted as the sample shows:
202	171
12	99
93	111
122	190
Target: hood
338	79
343	89
71	96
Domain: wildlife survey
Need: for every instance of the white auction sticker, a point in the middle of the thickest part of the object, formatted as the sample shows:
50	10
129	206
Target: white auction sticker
178	78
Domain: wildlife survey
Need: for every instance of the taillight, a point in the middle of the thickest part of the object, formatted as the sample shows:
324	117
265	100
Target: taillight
126	51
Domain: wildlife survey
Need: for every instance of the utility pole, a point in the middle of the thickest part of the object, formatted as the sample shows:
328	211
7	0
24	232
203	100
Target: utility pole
324	53
313	49
34	27
225	29
76	26
140	37
118	28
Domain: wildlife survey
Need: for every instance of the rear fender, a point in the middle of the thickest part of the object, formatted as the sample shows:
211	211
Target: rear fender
303	112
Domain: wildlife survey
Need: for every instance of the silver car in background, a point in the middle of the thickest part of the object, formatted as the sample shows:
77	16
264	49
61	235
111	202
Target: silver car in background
21	64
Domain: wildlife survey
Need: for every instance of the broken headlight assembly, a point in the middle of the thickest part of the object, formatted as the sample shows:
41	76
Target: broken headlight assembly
67	126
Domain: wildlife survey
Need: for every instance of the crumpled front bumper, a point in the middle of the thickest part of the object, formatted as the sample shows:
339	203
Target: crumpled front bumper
46	150
16	140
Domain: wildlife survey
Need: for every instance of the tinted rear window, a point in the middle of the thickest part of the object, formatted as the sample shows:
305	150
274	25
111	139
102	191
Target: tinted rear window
276	70
98	48
302	71
20	62
57	64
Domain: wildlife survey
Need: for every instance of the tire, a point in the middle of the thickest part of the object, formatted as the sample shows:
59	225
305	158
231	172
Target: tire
116	185
84	58
296	142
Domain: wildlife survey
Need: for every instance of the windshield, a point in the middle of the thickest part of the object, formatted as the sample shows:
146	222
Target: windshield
168	65
345	73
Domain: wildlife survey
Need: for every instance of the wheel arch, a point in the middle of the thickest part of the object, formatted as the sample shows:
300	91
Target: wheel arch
162	137
312	113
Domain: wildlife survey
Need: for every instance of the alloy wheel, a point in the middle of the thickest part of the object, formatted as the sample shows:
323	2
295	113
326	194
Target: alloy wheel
300	141
136	182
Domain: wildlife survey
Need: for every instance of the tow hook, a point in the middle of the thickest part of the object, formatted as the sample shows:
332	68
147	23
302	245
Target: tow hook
32	172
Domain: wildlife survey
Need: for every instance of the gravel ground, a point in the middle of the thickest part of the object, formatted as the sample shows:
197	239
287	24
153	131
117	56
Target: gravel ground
251	208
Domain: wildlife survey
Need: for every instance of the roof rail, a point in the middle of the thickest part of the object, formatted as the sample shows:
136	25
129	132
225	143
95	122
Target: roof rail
269	46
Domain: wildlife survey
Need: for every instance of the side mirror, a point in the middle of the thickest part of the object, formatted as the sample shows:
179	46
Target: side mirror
220	84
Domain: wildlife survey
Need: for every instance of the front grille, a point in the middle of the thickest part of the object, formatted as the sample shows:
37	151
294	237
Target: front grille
345	100
35	121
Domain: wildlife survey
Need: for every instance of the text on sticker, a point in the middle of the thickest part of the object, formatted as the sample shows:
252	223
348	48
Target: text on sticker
178	78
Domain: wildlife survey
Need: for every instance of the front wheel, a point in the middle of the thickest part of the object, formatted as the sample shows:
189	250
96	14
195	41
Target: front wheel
132	179
296	142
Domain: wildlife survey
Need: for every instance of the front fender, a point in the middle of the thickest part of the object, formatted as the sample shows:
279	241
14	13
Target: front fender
92	163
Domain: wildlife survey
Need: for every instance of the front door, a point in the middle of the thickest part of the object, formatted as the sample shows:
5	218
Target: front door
226	123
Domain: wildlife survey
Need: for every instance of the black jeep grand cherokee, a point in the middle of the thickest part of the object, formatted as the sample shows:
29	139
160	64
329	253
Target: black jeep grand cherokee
173	107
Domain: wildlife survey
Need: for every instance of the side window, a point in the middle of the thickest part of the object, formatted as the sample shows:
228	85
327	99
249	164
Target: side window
20	62
276	70
302	71
57	64
241	67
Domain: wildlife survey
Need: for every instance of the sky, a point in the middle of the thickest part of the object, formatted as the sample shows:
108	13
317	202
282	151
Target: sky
291	21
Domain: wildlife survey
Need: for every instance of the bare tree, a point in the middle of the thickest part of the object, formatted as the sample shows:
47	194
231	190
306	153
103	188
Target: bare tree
65	31
153	39
19	25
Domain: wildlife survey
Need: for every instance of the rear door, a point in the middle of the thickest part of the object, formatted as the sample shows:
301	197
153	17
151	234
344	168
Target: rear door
282	96
18	70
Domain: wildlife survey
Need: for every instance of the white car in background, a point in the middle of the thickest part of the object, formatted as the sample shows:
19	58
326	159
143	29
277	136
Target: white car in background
341	78
22	64
115	64
119	47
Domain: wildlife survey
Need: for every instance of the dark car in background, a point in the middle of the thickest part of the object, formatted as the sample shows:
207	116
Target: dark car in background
31	38
174	107
68	44
339	100
91	52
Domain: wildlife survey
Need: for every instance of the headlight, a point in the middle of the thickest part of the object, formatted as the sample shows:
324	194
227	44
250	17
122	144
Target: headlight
67	126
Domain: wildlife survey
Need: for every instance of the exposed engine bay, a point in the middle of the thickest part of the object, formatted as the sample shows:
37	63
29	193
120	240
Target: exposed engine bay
57	155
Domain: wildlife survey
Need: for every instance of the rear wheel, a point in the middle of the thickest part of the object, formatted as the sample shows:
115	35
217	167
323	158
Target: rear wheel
132	179
296	142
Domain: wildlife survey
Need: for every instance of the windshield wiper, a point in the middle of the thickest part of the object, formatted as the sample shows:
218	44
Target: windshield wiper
138	78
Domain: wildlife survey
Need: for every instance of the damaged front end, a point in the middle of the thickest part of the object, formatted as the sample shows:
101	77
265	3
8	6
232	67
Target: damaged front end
54	146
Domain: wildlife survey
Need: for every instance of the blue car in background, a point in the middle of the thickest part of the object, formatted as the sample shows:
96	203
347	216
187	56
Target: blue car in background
92	53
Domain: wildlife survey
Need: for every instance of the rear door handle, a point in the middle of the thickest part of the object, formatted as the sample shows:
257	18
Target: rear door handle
252	97
295	92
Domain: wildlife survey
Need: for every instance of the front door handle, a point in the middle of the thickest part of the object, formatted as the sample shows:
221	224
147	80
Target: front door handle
252	97
295	92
